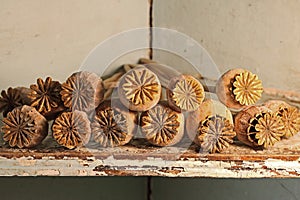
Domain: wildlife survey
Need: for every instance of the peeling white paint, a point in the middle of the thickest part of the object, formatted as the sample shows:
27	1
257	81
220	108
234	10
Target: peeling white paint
25	166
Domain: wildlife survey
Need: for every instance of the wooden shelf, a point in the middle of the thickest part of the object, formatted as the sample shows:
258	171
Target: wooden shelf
140	159
239	161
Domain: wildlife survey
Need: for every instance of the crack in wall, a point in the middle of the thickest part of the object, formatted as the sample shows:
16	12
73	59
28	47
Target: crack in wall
150	29
149	178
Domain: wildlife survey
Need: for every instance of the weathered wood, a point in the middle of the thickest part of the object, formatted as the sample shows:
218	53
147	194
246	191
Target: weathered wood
136	159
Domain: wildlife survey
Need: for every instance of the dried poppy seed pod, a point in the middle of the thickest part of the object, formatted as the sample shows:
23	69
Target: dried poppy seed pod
184	92
238	88
211	126
215	134
275	105
45	97
82	91
72	129
139	89
24	127
113	125
111	82
12	98
258	127
24	91
290	116
162	126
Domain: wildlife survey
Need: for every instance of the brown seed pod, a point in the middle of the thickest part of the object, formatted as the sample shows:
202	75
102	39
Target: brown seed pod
9	100
113	125
72	129
184	92
82	91
24	92
46	98
242	123
238	88
291	120
258	127
290	116
162	126
215	134
211	126
207	109
12	98
24	127
111	82
139	89
275	105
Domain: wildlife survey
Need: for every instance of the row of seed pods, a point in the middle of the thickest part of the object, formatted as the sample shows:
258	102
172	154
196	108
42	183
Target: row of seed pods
149	99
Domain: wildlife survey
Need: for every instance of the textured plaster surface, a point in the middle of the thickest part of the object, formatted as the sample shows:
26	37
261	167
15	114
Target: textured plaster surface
262	36
40	38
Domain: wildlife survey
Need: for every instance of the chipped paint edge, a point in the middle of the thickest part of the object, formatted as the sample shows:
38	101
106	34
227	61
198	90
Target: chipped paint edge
47	166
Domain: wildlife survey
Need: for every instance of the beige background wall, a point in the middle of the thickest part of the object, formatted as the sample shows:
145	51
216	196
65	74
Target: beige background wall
41	37
261	35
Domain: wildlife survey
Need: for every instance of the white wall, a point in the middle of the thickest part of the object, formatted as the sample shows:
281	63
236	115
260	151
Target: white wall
260	35
41	37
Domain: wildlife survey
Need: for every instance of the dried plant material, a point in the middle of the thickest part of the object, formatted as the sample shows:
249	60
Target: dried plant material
24	127
110	85
162	126
45	95
290	116
72	129
113	125
108	93
146	61
207	109
163	72
258	127
241	123
139	89
291	120
112	81
215	134
247	88
109	128
238	88
185	93
24	92
265	129
9	100
46	98
276	105
128	67
82	91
